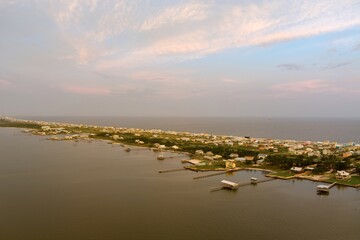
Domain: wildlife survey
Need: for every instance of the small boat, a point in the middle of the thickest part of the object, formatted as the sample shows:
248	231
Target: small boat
127	150
160	157
253	179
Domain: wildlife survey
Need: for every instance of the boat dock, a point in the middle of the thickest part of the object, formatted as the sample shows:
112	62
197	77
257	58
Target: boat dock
229	185
252	182
172	170
162	157
215	174
324	188
211	174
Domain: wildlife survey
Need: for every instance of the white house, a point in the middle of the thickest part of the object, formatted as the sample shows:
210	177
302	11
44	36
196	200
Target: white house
230	164
296	169
240	159
262	156
342	175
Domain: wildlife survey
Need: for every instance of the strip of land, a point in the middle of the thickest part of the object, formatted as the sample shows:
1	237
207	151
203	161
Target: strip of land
286	159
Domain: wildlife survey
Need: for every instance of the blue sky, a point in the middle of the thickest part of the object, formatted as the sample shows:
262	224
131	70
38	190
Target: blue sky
180	58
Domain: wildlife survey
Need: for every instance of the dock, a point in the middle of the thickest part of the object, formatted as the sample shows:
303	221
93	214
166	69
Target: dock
252	182
324	188
172	170
229	185
162	157
242	184
212	174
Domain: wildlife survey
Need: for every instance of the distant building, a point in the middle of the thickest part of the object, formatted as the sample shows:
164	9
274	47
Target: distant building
347	154
240	159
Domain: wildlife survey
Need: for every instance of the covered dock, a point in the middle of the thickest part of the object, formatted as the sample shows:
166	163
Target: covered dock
230	185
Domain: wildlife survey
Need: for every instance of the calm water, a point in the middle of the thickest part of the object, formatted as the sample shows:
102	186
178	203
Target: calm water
340	130
84	191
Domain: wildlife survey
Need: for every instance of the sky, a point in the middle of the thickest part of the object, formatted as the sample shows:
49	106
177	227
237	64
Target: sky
224	58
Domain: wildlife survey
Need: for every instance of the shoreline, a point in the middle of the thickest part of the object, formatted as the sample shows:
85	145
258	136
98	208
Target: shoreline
125	137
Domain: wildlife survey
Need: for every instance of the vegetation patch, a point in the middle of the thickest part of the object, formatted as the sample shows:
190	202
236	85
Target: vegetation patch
283	174
353	181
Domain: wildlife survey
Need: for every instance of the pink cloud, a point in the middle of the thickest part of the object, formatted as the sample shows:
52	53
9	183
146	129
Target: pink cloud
87	90
4	82
303	86
230	80
315	86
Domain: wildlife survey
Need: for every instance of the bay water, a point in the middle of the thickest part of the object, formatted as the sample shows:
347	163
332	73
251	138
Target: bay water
64	190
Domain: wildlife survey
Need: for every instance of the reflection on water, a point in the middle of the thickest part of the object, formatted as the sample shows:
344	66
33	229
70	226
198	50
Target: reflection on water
67	190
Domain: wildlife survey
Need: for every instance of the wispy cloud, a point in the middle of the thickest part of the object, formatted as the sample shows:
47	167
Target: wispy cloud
336	65
180	31
230	80
4	82
87	90
302	86
290	67
189	12
357	47
314	87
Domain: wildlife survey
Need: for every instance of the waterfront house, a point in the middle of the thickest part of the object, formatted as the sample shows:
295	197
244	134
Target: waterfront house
342	175
199	152
310	168
229	164
209	153
296	169
240	159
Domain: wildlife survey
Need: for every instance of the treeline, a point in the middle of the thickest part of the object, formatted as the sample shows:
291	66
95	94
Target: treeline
286	161
188	146
323	164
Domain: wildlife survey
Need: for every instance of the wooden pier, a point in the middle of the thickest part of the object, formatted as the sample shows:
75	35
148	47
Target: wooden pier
172	170
169	157
212	174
